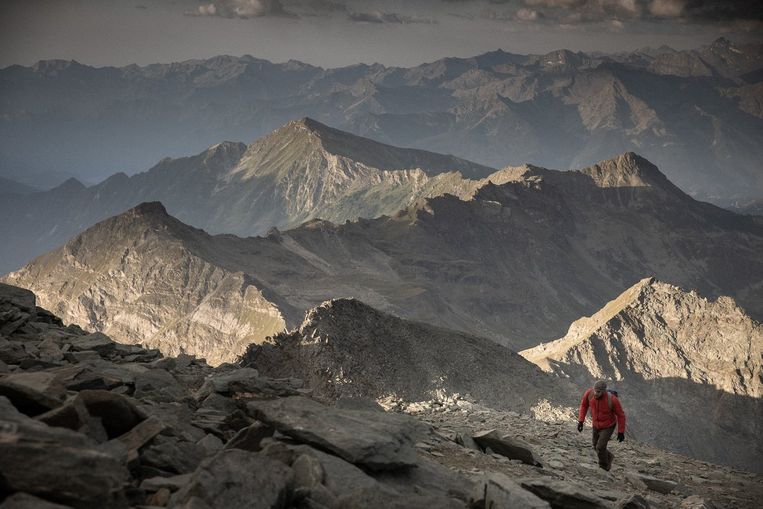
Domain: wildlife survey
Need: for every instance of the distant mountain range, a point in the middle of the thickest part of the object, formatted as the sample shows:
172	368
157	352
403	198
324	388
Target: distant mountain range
695	113
301	171
515	260
677	358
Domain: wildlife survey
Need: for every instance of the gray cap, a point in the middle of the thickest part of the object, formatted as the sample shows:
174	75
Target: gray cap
600	385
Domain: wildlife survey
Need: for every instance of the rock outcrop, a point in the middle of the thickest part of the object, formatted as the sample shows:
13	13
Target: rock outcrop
682	362
114	440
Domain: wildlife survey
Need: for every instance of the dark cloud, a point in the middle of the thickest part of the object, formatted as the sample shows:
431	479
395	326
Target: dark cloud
242	9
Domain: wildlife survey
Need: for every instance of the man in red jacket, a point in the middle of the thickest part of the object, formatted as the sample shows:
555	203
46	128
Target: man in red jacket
606	411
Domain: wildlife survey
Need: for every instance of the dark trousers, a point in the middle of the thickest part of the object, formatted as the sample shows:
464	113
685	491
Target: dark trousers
600	439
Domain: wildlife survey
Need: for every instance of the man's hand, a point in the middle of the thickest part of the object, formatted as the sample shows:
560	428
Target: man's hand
580	426
620	437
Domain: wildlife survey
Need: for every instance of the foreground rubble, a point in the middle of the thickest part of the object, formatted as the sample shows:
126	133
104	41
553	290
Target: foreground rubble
85	422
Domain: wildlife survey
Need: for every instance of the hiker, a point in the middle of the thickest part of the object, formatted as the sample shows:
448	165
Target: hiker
606	411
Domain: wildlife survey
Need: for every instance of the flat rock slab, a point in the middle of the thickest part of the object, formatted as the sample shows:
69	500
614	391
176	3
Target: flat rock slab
562	494
510	447
499	491
32	393
59	465
653	483
375	440
236	479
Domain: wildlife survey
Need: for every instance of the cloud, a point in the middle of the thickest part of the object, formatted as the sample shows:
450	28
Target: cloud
667	8
616	13
242	9
386	17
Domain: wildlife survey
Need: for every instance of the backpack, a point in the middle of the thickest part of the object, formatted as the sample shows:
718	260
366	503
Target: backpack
610	393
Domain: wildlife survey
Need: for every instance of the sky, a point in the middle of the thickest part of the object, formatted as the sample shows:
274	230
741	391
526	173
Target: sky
333	33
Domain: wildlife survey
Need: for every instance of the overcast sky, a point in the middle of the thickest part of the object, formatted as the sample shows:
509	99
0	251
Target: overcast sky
333	33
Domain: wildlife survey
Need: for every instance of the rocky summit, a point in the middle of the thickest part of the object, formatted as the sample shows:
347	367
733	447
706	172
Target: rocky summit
86	422
689	367
516	259
301	171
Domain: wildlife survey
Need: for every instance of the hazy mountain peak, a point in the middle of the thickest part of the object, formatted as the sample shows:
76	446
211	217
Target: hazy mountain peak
71	184
224	153
152	208
628	170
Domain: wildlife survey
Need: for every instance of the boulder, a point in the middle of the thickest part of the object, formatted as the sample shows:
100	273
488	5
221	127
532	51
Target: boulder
27	501
73	414
19	298
644	481
140	435
634	501
158	385
58	465
498	491
510	447
375	440
249	438
236	479
97	341
118	414
563	494
240	380
172	455
32	393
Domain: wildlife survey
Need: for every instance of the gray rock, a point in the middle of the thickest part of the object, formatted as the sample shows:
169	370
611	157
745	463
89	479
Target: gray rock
375	440
140	435
510	447
696	502
468	442
73	414
118	414
211	444
250	438
169	454
158	385
173	483
562	494
308	471
237	479
32	393
642	481
27	501
58	465
634	501
498	491
20	298
96	341
240	380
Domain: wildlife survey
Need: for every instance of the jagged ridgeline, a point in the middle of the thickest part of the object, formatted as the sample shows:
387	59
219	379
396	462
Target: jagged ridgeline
696	113
301	171
517	259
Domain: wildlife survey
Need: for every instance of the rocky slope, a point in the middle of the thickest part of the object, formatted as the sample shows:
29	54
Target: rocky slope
90	422
667	350
514	262
345	349
695	113
301	171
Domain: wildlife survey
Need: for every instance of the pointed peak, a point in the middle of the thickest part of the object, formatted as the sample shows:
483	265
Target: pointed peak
148	209
628	170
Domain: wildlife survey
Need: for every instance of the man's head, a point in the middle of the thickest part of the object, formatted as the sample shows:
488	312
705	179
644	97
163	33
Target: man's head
599	388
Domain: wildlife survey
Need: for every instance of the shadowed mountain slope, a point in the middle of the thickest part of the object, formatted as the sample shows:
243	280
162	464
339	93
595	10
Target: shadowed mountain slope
515	262
300	171
346	349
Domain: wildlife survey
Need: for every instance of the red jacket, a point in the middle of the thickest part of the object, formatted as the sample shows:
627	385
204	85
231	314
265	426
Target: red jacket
601	415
